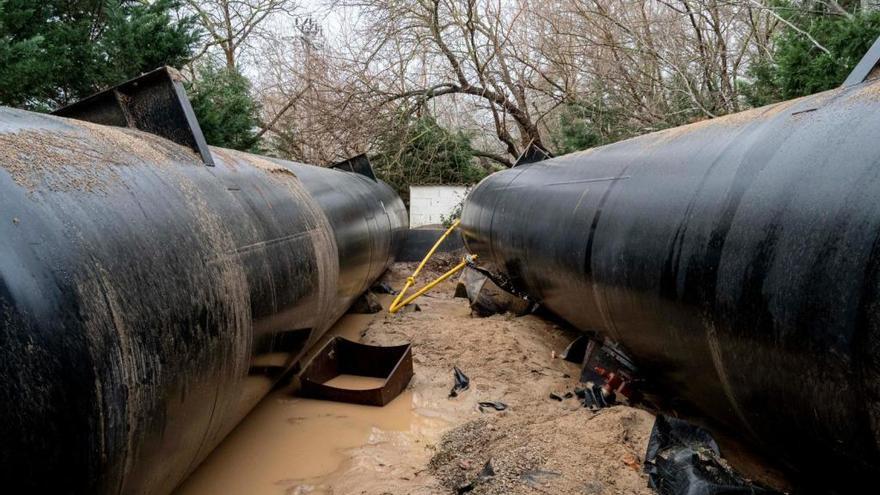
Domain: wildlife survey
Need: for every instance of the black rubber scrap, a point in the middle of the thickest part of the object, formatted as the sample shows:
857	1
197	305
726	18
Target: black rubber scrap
496	405
538	477
561	397
383	288
462	382
594	398
683	459
366	304
484	475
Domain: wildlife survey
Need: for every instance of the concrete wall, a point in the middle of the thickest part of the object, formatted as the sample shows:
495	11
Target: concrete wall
428	204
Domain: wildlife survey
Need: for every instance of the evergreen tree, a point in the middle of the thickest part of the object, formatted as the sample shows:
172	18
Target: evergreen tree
801	68
420	151
576	130
54	52
588	123
227	112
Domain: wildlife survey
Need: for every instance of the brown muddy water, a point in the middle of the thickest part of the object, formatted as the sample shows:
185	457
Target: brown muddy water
355	382
289	445
293	445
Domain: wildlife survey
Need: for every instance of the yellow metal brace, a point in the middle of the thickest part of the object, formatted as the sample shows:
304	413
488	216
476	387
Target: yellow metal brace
397	305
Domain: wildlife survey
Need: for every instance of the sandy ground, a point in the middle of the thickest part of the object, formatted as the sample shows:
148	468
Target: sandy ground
427	443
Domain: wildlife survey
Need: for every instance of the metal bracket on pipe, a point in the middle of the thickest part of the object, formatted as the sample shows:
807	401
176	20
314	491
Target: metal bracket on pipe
865	69
359	164
155	102
533	153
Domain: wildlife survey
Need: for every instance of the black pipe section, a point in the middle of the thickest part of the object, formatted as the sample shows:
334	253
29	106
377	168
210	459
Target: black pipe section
364	205
148	302
737	259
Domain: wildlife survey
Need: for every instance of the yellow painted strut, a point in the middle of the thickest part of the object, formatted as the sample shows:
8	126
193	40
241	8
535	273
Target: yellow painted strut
397	305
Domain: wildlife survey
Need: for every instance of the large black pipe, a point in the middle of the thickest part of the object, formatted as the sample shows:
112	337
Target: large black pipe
736	259
148	301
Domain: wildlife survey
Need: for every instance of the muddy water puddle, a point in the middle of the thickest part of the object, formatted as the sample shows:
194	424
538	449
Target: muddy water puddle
355	382
290	445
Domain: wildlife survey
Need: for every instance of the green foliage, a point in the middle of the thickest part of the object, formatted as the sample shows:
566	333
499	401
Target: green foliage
585	125
455	214
576	130
764	87
143	35
799	67
421	151
54	52
227	112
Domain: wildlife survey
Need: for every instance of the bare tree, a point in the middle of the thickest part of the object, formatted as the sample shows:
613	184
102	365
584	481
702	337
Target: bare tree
233	25
425	50
504	70
315	108
658	63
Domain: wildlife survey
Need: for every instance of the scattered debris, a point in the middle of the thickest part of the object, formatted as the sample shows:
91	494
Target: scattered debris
462	382
576	350
683	459
538	477
383	288
484	475
367	303
631	461
592	396
496	405
602	362
486	297
595	396
410	308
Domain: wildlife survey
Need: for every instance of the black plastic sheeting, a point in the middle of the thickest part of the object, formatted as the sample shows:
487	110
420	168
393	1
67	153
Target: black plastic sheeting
736	260
462	382
683	459
148	302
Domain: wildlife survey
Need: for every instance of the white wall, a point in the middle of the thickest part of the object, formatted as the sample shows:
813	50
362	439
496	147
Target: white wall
427	204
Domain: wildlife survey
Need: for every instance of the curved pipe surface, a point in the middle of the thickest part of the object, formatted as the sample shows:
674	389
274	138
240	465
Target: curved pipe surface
737	260
148	302
362	205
